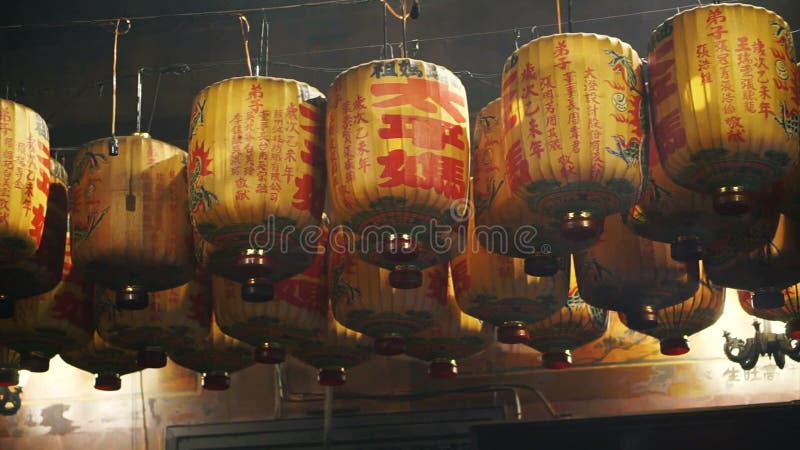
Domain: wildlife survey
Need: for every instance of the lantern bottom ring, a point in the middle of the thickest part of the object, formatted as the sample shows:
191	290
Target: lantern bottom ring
257	290
216	381
557	360
793	328
768	299
405	277
132	297
443	369
7	307
581	226
513	333
541	265
686	249
390	345
151	358
674	346
400	248
332	376
34	362
107	382
9	377
269	354
643	318
732	200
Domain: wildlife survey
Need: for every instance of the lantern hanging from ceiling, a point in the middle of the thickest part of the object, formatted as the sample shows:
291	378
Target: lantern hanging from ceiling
723	94
42	271
295	315
398	162
788	313
496	289
676	323
575	120
107	362
364	301
574	325
637	276
683	218
789	187
455	337
174	317
767	269
9	367
49	323
256	177
215	356
24	180
130	225
504	223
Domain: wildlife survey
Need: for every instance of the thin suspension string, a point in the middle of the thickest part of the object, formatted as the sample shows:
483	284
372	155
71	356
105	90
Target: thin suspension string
558	15
117	34
405	21
245	30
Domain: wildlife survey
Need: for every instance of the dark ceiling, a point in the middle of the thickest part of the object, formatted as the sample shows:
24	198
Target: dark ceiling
52	60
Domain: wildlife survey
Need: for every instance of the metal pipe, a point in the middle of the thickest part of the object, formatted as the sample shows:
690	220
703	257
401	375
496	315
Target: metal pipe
569	16
139	100
328	417
405	39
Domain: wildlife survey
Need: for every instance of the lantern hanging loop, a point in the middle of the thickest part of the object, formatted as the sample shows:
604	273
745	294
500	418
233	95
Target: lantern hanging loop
517	35
558	15
405	35
245	25
113	144
263	52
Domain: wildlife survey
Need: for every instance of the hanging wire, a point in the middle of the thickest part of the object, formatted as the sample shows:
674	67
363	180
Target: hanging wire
385	50
113	144
405	37
569	16
245	25
263	49
558	15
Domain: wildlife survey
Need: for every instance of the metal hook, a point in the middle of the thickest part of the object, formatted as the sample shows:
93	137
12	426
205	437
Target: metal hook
414	48
516	38
534	32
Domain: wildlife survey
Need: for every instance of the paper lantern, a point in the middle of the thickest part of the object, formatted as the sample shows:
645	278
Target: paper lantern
637	276
130	225
683	218
295	315
788	313
398	162
215	356
454	337
723	92
767	269
256	177
575	121
174	318
50	323
364	300
24	180
9	367
574	325
676	323
107	362
496	289
41	271
504	223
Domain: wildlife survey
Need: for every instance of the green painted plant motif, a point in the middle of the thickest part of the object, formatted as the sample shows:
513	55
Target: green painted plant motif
484	203
82	232
790	122
597	271
200	199
629	151
197	116
88	160
342	290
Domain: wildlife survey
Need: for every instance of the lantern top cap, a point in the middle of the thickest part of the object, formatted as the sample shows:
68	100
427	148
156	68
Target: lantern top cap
5	101
136	136
312	91
613	41
439	69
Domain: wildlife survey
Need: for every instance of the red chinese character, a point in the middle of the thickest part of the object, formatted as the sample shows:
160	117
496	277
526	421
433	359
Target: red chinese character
426	171
567	166
517	166
37	223
702	51
662	77
715	16
421	94
426	132
670	133
437	287
313	115
508	96
735	129
304	196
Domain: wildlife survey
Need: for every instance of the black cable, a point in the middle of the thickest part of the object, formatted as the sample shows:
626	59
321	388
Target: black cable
569	16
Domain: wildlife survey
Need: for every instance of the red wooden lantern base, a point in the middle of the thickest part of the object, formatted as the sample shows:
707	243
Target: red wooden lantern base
6	307
151	358
643	318
793	328
269	354
216	381
557	360
33	362
687	249
400	249
768	300
332	377
257	290
107	382
132	298
443	369
581	226
732	201
9	377
541	265
390	345
674	346
255	267
513	333
405	277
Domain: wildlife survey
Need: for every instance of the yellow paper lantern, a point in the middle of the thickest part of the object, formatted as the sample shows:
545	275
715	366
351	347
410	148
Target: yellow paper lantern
364	301
398	162
789	187
175	317
496	289
24	180
215	356
788	313
107	362
723	92
41	271
504	223
574	325
637	276
130	221
455	337
256	176
575	121
9	367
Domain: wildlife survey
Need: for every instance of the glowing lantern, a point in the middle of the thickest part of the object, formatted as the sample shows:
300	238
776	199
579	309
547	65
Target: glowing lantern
295	315
24	180
626	273
574	120
106	361
216	356
398	162
256	177
455	337
723	91
174	317
676	323
788	313
9	367
42	271
50	323
130	226
496	289
767	269
364	301
576	324
504	223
